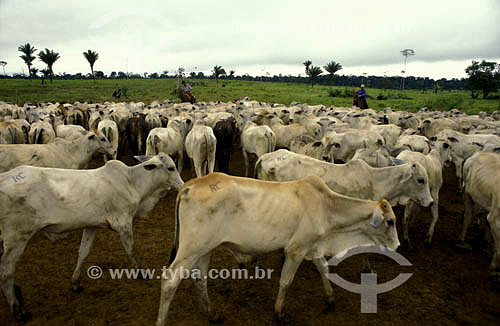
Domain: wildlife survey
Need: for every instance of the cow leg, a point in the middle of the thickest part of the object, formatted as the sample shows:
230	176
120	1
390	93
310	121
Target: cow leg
245	156
211	162
494	221
468	215
85	247
171	279
435	216
406	220
292	263
201	284
180	162
322	267
12	252
127	238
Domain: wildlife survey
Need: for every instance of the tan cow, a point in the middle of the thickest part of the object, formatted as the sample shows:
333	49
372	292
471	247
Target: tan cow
249	217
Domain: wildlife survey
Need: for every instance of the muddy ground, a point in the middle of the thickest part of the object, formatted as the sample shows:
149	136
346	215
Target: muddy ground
447	287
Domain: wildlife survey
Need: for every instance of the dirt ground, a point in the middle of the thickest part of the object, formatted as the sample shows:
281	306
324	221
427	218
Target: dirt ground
447	287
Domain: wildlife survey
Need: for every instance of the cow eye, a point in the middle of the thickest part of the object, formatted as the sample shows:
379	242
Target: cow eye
172	169
390	223
421	180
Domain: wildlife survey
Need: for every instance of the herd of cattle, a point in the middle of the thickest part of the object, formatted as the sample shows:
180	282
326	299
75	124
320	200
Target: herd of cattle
335	173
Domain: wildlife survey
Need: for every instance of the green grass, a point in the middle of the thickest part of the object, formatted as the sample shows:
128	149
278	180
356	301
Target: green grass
148	90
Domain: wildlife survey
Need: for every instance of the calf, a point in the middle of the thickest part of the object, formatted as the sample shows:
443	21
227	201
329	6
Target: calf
247	217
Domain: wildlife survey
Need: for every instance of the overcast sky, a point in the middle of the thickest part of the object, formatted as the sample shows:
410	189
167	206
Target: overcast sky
255	37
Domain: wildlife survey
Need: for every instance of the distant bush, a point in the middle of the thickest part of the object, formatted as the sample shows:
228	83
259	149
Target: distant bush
340	93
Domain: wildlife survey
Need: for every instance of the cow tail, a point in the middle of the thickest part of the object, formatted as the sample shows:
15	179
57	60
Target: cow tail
38	136
173	252
269	142
12	135
257	168
109	134
209	149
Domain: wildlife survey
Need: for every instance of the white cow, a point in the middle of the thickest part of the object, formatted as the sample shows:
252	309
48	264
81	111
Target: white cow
433	163
41	132
257	140
63	154
56	201
482	192
168	140
200	147
70	132
343	146
247	217
397	184
109	129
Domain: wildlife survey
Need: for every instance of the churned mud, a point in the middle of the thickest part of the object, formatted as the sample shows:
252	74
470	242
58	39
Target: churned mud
447	287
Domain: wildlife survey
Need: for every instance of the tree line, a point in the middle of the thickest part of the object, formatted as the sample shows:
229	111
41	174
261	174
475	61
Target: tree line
483	76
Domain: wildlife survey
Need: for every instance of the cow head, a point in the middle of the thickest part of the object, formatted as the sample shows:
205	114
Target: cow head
415	182
98	143
381	226
161	167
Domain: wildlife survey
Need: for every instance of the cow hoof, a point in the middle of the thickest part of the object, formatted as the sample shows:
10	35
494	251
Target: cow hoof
462	246
407	246
78	289
21	316
216	318
330	303
283	318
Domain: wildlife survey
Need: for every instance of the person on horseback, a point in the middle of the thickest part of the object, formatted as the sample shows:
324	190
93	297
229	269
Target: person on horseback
361	98
187	91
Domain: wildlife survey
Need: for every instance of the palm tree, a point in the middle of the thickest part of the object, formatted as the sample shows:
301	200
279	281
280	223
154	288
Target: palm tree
28	55
332	67
46	73
313	73
91	57
307	63
218	71
49	57
34	71
231	73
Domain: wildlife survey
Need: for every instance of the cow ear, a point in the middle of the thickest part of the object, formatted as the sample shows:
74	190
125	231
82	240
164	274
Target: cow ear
478	145
376	220
406	176
150	167
142	158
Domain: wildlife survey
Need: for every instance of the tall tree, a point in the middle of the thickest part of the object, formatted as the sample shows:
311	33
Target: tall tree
218	71
46	73
3	64
231	73
307	64
332	67
484	76
49	57
91	57
313	73
34	72
28	55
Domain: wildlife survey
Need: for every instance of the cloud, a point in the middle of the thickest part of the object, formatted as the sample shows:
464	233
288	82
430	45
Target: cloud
160	35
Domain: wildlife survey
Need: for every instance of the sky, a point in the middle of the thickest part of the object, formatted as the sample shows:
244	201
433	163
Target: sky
256	37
